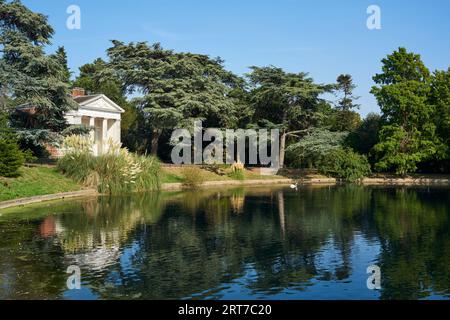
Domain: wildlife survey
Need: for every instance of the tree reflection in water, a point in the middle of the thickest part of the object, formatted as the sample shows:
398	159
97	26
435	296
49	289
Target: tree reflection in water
239	243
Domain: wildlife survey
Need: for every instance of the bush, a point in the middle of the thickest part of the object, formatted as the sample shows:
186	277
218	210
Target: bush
193	176
28	156
345	164
116	172
11	157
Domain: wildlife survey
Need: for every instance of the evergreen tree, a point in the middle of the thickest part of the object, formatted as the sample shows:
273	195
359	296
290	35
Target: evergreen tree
61	54
346	86
314	147
287	101
11	157
346	119
175	88
28	75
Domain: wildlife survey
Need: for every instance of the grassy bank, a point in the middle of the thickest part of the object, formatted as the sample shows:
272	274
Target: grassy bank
36	181
42	180
175	174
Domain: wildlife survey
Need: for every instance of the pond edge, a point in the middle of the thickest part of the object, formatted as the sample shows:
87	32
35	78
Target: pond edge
227	183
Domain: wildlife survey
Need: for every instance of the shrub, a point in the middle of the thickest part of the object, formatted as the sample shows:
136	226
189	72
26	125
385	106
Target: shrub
193	176
11	157
28	156
345	164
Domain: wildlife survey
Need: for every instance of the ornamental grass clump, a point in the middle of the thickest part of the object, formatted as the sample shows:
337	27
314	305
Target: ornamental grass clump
115	172
78	161
237	171
149	176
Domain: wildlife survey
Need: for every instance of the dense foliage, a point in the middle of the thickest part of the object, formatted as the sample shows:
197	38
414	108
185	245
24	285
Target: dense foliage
161	90
176	88
409	134
345	164
31	77
312	149
286	101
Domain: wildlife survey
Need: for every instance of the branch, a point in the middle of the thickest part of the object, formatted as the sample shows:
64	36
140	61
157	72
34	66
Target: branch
293	133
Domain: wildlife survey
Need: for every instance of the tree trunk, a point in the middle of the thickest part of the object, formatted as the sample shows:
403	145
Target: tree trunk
282	149
156	133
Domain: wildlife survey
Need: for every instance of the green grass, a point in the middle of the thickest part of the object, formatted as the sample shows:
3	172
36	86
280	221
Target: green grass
168	177
36	181
174	175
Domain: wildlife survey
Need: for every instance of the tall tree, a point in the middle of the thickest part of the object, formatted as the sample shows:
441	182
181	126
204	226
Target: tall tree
61	54
28	75
287	101
346	119
346	86
408	135
175	88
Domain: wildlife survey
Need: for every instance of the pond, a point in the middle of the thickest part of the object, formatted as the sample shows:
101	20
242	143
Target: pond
248	243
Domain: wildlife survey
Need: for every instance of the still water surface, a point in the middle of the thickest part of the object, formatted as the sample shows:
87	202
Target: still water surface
260	243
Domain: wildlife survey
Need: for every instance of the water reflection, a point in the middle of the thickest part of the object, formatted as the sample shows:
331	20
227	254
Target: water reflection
315	243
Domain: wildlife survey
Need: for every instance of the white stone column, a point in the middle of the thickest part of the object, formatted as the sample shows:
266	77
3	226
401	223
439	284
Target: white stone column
92	135
105	135
117	129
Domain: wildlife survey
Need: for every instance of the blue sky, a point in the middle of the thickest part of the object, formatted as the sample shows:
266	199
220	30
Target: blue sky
322	37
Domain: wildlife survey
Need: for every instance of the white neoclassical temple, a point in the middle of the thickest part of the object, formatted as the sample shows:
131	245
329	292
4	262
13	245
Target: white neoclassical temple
100	113
95	111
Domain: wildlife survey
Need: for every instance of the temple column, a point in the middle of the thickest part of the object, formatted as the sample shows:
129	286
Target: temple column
105	135
117	129
92	135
